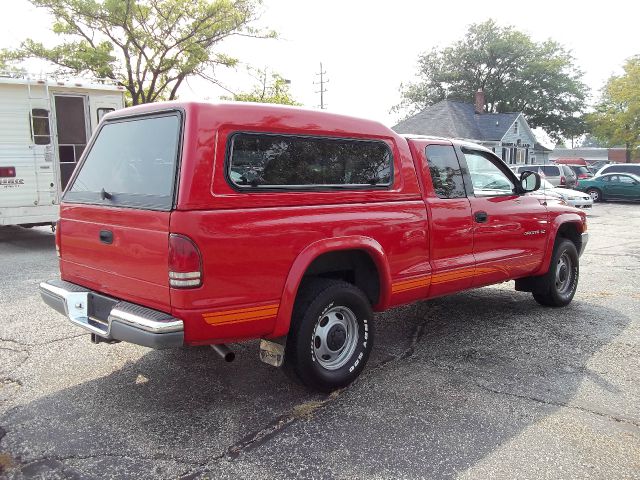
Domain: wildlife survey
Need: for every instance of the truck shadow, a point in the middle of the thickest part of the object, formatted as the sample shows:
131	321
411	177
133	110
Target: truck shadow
34	239
452	379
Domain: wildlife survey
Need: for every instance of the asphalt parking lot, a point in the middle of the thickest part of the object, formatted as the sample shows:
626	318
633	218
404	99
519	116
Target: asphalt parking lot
483	384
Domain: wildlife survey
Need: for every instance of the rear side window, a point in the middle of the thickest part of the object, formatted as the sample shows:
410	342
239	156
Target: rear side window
132	163
549	170
445	171
286	161
581	170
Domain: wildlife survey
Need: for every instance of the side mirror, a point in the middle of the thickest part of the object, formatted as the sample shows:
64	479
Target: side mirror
529	181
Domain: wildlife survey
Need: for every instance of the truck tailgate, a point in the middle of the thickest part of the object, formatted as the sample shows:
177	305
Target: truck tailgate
120	252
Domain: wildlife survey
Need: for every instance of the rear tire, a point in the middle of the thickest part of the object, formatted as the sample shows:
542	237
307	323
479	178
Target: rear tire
595	194
331	334
561	281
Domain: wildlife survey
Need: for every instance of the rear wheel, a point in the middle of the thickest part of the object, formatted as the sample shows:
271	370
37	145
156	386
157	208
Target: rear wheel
331	334
561	281
596	195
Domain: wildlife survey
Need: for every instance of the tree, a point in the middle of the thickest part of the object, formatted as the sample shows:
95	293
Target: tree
515	73
270	89
149	46
574	128
591	141
616	120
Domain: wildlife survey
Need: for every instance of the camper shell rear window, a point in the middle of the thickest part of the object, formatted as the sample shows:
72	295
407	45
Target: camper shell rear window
131	163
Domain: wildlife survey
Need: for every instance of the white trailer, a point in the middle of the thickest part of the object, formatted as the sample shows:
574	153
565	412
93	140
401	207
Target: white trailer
45	125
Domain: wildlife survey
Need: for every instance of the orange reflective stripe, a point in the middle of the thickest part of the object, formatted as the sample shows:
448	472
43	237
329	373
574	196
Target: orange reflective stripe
241	314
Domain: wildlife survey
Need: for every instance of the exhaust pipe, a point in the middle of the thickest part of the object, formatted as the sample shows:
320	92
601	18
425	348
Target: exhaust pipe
224	352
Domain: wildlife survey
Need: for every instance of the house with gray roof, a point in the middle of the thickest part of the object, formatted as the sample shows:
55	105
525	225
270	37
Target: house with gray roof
507	134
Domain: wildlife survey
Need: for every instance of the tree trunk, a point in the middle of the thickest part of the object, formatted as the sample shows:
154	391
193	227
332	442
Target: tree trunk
628	153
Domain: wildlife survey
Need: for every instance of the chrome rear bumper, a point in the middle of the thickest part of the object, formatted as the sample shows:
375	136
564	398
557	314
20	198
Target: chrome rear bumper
112	319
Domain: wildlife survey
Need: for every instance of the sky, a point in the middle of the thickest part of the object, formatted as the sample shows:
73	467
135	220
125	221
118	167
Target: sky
368	48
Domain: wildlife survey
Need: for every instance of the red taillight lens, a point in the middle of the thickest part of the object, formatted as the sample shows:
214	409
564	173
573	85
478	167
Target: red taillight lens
185	262
58	251
7	172
563	181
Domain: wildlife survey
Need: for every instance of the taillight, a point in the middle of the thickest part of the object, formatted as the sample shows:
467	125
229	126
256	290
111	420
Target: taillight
185	262
7	172
563	181
58	251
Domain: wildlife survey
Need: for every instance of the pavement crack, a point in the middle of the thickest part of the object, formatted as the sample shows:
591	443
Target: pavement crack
415	339
305	410
558	404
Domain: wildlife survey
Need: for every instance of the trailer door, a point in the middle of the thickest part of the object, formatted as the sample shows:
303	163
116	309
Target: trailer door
71	132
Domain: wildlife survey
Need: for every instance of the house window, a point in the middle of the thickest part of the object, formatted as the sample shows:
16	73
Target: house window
533	159
40	126
515	127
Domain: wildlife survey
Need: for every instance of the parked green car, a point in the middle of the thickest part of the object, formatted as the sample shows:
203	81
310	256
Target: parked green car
612	186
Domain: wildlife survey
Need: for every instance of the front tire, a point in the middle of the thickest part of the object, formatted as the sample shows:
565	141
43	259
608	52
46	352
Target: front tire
331	334
561	281
595	194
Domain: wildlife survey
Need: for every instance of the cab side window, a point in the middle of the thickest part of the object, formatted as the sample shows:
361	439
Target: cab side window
487	178
625	179
445	171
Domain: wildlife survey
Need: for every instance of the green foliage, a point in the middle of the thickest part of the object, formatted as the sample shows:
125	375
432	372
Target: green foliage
516	74
148	46
616	120
269	90
591	141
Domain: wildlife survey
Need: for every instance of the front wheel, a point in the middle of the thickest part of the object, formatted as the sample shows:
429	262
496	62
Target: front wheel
595	194
561	281
331	334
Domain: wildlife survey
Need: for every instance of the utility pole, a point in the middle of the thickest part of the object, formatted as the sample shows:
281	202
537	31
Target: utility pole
322	90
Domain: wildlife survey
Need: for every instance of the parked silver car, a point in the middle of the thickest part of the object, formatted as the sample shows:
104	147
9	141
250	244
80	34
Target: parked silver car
633	168
574	198
557	175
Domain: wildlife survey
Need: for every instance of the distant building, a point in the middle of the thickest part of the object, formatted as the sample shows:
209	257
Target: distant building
507	134
591	154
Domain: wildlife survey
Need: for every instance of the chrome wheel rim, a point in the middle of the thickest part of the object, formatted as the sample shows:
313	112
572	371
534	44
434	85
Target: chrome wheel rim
594	194
564	273
335	337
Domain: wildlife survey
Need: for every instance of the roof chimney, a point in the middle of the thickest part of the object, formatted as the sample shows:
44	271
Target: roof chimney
480	101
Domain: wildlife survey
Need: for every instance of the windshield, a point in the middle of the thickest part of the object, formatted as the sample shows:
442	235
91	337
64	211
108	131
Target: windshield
132	163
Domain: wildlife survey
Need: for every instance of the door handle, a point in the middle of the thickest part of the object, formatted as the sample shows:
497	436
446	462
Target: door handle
106	236
481	217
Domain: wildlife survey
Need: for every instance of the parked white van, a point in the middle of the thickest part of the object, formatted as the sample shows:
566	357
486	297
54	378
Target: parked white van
44	126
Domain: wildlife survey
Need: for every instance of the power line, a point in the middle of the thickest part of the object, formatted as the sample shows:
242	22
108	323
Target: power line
322	90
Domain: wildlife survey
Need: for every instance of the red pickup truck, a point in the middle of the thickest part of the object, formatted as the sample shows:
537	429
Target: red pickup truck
202	224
